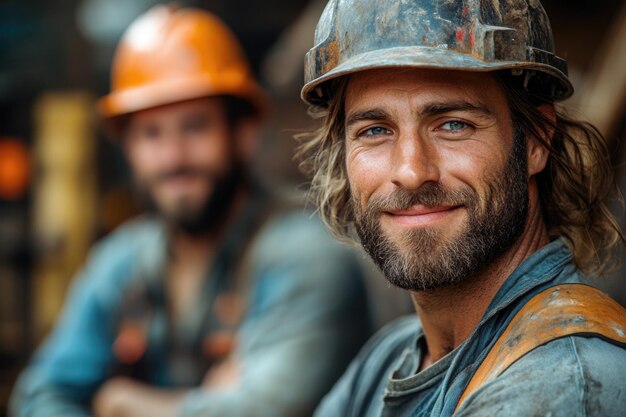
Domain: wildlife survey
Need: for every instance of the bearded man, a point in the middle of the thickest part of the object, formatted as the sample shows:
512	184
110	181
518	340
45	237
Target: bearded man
221	302
442	149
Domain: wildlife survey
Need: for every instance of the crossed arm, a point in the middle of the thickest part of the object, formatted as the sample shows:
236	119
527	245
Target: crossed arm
125	397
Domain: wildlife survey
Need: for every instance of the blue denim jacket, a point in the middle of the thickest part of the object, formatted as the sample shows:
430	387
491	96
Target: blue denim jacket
304	296
568	377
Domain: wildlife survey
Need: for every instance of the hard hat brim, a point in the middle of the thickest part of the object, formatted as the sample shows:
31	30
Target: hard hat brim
172	91
421	57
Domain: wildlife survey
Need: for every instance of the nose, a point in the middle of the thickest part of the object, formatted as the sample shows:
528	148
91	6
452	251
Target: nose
172	149
414	162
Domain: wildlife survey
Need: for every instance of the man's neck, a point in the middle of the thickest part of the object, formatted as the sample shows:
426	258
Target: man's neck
449	315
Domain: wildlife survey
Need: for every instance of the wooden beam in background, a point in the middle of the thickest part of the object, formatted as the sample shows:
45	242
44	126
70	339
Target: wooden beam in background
604	93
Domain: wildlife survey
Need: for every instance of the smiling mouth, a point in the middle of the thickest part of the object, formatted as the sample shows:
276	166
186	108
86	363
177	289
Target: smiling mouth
421	216
177	181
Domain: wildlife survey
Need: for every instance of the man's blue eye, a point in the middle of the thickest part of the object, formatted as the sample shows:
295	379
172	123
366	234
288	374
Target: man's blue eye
454	125
375	131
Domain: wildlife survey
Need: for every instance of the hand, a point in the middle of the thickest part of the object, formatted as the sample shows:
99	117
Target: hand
113	397
223	376
124	397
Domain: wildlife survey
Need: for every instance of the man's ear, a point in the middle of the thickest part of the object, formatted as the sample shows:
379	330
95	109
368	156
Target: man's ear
247	132
537	153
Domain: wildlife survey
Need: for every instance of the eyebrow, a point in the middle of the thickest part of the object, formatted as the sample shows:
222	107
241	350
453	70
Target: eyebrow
431	109
434	109
370	114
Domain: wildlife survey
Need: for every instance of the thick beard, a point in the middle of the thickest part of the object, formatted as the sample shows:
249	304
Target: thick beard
424	260
207	217
214	211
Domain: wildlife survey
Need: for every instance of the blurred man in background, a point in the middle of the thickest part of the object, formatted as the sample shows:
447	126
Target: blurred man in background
223	301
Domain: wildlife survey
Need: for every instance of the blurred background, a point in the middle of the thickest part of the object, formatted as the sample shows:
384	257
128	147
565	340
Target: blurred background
63	185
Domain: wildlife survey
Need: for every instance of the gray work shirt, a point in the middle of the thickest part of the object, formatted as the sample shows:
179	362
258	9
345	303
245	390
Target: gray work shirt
569	377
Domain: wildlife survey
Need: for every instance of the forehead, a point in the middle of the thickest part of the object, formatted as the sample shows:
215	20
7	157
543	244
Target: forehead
375	87
209	106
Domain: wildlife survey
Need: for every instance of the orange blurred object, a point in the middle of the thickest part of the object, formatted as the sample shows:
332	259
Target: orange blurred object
130	344
219	344
14	169
172	54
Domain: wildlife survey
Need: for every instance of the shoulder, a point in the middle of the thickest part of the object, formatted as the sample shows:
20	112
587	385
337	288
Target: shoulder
113	261
368	374
293	261
569	377
296	232
130	236
602	367
378	357
298	241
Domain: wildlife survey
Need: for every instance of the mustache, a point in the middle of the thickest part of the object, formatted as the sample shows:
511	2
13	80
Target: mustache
181	171
429	195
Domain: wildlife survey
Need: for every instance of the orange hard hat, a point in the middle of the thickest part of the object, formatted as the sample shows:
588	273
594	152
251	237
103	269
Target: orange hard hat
173	54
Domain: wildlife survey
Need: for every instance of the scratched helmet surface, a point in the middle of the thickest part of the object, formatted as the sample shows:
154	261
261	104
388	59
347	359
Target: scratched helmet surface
469	35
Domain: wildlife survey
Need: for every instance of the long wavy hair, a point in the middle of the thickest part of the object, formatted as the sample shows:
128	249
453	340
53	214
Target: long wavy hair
574	187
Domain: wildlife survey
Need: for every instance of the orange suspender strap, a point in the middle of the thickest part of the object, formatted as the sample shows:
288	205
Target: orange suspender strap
563	310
